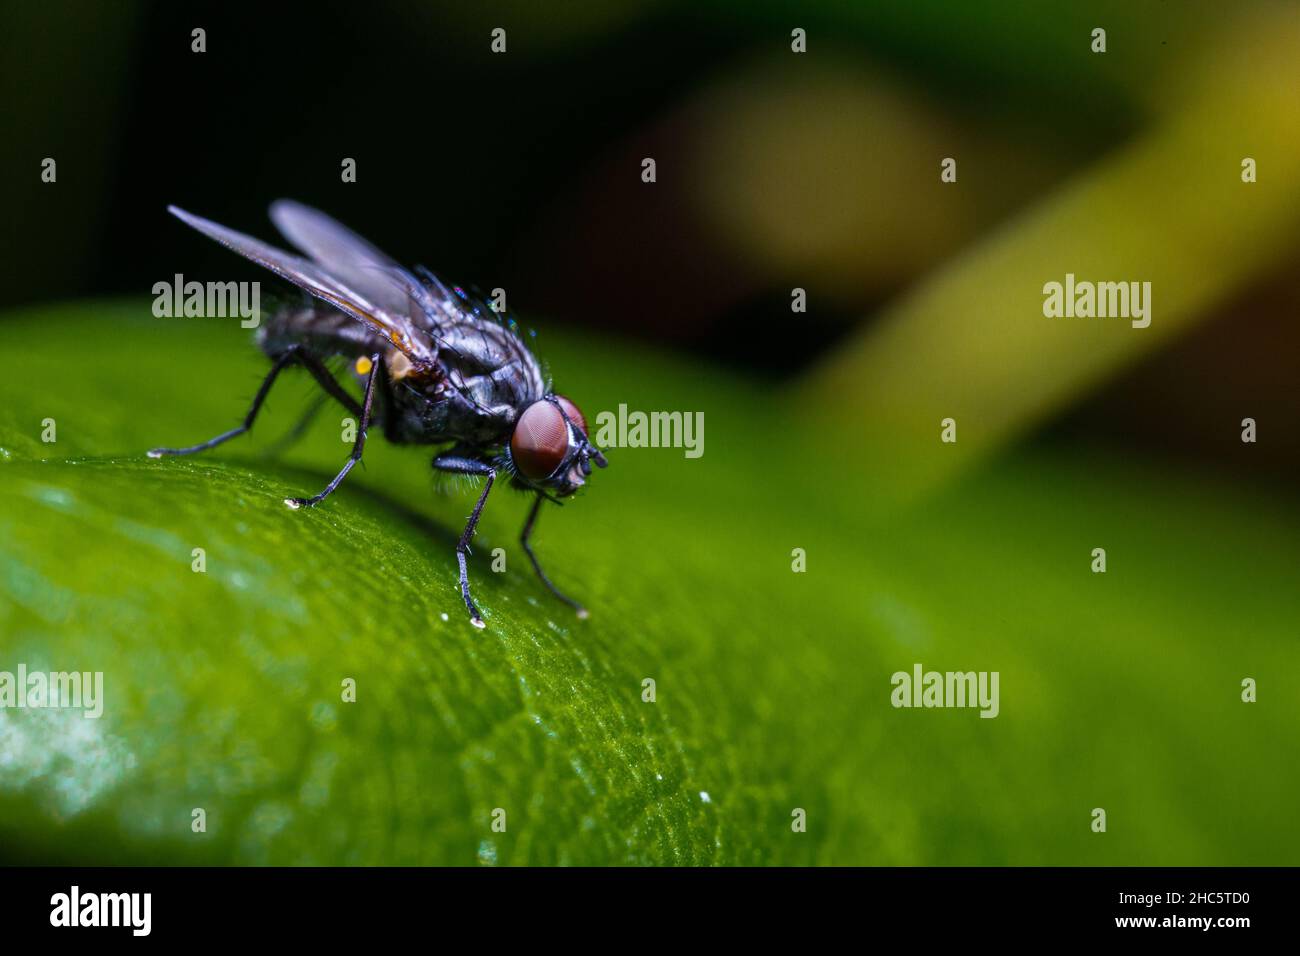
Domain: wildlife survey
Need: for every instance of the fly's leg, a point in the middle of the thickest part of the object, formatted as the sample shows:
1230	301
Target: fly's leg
459	464
528	549
358	446
294	353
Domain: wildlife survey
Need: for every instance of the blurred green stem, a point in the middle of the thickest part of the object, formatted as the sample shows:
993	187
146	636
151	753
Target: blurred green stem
972	343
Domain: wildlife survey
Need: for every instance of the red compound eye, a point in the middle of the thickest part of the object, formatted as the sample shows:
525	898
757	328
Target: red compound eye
574	413
540	441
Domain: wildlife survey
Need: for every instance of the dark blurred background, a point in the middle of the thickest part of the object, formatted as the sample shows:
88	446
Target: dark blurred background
775	170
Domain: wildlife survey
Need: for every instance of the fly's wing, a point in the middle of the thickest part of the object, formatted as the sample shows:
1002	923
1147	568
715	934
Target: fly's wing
344	254
470	337
368	302
440	312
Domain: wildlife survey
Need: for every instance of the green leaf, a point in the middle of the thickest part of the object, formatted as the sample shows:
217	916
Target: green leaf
223	689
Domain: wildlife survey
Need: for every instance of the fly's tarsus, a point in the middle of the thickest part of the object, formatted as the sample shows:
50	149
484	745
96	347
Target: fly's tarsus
462	465
358	446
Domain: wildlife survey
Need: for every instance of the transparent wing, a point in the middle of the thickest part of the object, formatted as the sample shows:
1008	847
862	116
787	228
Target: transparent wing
464	326
344	254
385	313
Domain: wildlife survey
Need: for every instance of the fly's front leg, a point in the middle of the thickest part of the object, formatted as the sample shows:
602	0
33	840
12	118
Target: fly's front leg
528	549
288	357
460	465
358	446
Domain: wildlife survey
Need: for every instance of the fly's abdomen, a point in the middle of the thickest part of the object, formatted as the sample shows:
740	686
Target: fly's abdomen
322	330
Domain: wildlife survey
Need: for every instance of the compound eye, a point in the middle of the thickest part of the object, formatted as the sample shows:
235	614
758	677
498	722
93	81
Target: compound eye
540	441
572	410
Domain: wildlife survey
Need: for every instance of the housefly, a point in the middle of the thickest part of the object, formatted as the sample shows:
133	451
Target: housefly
438	367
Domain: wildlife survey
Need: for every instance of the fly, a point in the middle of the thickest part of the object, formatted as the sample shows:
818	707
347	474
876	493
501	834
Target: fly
438	367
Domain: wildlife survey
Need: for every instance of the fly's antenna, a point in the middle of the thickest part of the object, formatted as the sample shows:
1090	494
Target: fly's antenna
586	449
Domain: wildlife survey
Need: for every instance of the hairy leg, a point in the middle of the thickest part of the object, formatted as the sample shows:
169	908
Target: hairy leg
293	355
528	549
462	465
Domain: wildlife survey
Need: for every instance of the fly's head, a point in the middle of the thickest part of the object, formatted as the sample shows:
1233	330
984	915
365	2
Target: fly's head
549	448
